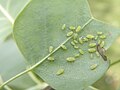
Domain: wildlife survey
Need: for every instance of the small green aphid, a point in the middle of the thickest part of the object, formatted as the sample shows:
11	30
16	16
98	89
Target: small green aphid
90	36
64	26
102	44
70	59
75	41
92	45
80	40
76	47
96	37
97	54
60	72
85	39
75	36
63	47
77	55
99	33
78	29
81	51
51	58
91	50
72	43
72	28
102	36
51	49
94	66
70	33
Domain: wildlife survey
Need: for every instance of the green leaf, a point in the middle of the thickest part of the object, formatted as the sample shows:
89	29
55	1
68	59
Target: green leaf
9	9
39	26
12	63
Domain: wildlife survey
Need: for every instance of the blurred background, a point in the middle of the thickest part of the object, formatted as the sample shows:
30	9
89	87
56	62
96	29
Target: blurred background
104	10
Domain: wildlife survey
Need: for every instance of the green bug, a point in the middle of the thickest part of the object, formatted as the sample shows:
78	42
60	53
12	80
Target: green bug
72	28
60	72
64	47
103	37
76	47
80	40
99	33
96	37
94	66
69	34
51	49
51	58
75	41
102	44
85	39
91	50
90	36
77	55
70	59
81	51
75	36
64	26
92	45
78	29
72	43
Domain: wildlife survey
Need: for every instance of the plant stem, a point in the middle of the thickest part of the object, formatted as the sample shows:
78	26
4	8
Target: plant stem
93	88
6	14
114	63
41	61
34	78
6	87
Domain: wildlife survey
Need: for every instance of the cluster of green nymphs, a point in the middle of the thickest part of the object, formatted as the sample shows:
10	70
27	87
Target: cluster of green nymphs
76	41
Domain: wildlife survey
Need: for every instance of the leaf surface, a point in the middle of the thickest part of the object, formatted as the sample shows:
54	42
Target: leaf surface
39	26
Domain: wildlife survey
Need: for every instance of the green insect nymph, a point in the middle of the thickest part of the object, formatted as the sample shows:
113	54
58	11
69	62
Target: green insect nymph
72	28
81	51
78	29
92	44
64	47
63	27
70	59
90	36
69	33
91	50
51	49
94	66
51	58
80	40
60	72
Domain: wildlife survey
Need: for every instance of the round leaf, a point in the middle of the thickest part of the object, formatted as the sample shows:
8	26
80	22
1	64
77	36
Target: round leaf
39	26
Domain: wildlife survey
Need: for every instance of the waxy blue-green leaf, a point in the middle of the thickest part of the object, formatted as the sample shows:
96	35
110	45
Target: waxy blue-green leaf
39	26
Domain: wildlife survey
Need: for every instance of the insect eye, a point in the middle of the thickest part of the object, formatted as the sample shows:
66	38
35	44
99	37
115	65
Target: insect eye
63	27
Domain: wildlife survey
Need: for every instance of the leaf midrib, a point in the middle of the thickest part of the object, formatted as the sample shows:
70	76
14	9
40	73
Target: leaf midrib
42	60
